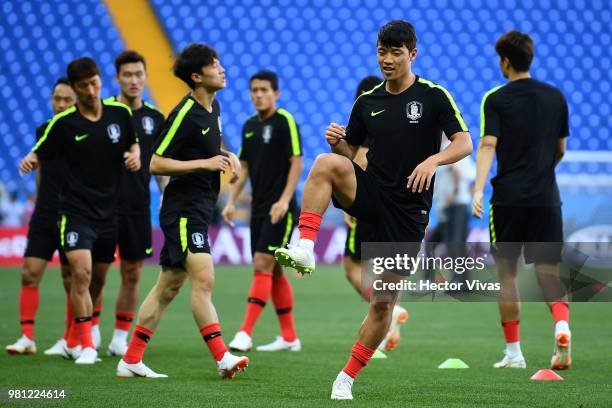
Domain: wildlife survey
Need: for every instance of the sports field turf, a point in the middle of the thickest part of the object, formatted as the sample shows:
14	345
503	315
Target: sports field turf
328	313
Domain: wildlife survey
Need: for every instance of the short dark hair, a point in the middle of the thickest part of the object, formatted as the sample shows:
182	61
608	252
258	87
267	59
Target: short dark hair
517	47
128	57
366	84
81	68
60	81
266	75
397	33
192	59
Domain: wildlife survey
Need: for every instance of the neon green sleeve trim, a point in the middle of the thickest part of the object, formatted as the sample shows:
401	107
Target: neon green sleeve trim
296	149
482	112
174	127
112	102
50	125
451	100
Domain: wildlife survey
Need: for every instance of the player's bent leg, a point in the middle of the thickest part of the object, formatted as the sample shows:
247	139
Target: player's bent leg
166	288
125	306
201	273
330	173
33	269
353	271
509	310
259	294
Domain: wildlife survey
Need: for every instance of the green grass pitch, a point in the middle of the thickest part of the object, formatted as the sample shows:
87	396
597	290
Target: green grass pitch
328	314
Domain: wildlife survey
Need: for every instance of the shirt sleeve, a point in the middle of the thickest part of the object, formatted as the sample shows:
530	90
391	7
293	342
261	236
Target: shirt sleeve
356	131
292	140
564	119
243	152
174	132
48	145
450	119
132	136
490	121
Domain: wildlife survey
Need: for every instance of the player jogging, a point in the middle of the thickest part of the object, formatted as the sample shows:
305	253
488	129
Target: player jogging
189	150
43	237
525	124
271	157
134	198
95	139
363	232
402	119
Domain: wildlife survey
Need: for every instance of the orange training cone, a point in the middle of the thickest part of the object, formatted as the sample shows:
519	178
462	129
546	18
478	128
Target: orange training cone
546	375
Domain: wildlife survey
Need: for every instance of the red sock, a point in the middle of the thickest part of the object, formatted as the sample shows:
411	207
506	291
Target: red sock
95	320
68	317
123	320
82	328
28	305
73	339
138	344
282	296
258	296
309	225
214	341
360	356
560	311
512	331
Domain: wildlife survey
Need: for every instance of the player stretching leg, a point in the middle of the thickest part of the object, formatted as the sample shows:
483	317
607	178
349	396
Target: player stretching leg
134	200
43	237
189	150
95	139
363	232
403	119
271	157
524	123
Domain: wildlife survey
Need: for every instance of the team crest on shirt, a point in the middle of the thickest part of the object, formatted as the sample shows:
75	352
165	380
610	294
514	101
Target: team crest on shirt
198	239
114	132
414	111
72	238
267	133
148	125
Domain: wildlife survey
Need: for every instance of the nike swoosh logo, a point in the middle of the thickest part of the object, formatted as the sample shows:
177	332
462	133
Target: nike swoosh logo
78	138
272	248
205	131
149	251
377	113
248	135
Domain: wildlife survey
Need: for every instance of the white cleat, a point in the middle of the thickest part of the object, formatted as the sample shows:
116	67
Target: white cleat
88	356
96	336
241	342
116	349
71	353
342	387
562	352
398	318
230	364
22	346
281	344
56	349
511	362
296	257
126	370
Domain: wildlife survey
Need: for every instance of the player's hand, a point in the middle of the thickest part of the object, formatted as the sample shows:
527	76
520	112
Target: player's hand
228	214
348	220
334	133
217	163
421	175
131	161
236	167
28	163
477	204
278	211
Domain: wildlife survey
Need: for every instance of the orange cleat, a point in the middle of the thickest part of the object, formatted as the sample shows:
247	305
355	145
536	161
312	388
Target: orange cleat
561	359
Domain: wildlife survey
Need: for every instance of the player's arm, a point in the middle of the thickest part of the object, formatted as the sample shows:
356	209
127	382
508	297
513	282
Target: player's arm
47	146
131	157
360	157
235	190
562	147
235	164
165	166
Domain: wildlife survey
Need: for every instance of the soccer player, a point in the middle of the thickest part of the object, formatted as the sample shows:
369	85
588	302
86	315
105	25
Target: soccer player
134	199
362	232
189	150
403	119
95	139
43	237
271	157
525	124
